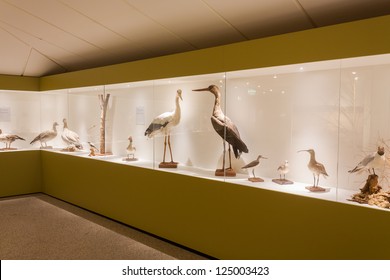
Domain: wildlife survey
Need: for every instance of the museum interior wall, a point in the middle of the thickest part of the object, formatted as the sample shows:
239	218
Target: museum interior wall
331	100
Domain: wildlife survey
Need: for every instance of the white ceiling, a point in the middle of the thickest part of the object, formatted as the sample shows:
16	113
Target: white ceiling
42	37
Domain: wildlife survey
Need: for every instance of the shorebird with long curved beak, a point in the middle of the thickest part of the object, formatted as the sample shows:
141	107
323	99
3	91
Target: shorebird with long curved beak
227	130
46	136
252	166
372	161
163	124
317	169
8	139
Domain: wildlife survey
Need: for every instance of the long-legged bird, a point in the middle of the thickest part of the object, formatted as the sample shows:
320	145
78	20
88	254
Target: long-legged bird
315	167
253	164
225	127
9	138
46	136
163	124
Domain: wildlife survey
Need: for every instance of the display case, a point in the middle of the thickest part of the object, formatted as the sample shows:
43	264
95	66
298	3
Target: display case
339	109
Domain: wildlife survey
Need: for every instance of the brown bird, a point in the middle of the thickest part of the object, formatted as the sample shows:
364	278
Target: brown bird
8	139
253	164
46	136
225	127
315	167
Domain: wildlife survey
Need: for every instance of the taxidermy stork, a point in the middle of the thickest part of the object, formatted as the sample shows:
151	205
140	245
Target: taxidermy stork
163	124
225	127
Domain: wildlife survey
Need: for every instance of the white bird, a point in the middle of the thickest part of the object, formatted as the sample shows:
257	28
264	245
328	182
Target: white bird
70	137
9	138
315	167
253	164
130	150
283	170
46	136
164	123
372	161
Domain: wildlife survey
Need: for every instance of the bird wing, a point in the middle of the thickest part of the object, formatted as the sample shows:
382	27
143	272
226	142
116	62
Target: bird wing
159	123
44	136
251	164
232	134
13	137
320	168
70	136
363	163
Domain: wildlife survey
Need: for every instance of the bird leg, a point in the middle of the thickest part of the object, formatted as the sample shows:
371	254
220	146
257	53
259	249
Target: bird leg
223	157
253	172
169	145
318	179
230	158
314	177
165	147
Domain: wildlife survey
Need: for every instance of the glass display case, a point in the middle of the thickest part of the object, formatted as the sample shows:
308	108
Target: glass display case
337	109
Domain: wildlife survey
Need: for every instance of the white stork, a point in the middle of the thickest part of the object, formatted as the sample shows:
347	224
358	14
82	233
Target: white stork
164	123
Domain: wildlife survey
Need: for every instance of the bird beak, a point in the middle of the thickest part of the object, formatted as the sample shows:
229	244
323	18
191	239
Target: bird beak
201	89
264	157
302	151
181	97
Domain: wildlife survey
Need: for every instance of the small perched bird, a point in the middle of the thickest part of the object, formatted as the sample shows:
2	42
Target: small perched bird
225	127
375	160
70	137
9	138
315	167
253	164
93	146
283	170
130	150
163	124
46	136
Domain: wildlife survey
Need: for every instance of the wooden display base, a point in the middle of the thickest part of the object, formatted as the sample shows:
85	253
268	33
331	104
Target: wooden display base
8	149
69	149
129	159
255	179
228	172
46	147
168	164
316	189
282	181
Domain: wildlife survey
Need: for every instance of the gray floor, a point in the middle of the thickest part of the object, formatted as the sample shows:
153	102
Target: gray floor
41	227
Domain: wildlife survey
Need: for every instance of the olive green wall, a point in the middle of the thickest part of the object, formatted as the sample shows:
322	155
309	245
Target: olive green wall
223	220
20	173
359	38
8	82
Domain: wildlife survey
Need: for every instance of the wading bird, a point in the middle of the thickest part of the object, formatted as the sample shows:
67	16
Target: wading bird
372	161
9	138
46	136
283	170
225	128
70	137
253	164
163	124
315	167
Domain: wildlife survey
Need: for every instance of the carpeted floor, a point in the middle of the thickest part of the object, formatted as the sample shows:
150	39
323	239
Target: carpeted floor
41	227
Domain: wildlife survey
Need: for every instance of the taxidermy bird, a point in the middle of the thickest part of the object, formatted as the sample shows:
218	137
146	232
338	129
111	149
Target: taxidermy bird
283	170
315	167
372	161
130	150
163	124
253	164
46	136
92	149
225	127
70	137
9	138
